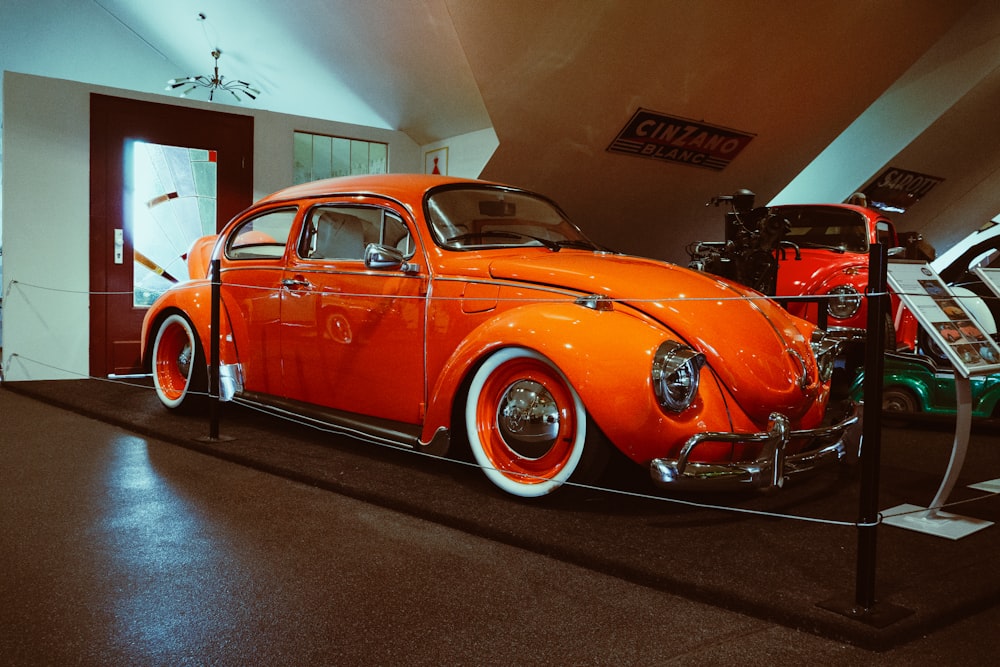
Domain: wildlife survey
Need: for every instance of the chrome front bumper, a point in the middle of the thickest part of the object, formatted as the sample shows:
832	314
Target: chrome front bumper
828	444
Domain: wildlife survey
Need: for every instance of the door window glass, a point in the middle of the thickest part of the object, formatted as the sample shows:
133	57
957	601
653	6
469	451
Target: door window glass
173	202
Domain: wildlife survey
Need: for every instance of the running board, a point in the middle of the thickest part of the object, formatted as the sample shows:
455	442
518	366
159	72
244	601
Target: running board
371	429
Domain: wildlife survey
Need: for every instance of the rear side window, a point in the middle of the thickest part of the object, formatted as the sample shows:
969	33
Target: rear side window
262	237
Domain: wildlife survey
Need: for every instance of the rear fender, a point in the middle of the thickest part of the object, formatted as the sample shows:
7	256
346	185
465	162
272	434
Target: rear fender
607	357
194	301
199	257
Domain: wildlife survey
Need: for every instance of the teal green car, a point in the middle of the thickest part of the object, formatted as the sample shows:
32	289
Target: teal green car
914	383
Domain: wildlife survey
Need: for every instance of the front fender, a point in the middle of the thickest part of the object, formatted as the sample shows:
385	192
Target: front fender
607	356
859	281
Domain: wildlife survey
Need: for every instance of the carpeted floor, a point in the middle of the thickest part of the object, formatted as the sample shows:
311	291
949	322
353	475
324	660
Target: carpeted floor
786	557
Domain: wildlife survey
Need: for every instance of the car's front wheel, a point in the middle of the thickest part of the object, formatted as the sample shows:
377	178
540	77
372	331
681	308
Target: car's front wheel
527	427
179	369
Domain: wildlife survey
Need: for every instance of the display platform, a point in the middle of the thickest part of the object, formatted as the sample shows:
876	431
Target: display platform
770	565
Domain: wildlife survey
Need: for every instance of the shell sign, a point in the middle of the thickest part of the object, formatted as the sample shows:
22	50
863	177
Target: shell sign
657	136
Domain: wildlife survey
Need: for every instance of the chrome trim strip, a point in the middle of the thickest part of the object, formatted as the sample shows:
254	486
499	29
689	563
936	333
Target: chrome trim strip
573	294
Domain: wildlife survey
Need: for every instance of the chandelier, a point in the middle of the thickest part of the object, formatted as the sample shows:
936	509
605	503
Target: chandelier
214	83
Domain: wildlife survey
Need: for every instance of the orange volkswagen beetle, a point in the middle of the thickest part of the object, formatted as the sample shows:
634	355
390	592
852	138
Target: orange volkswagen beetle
427	311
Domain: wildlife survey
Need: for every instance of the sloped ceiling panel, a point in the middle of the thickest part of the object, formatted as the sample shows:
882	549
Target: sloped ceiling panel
560	83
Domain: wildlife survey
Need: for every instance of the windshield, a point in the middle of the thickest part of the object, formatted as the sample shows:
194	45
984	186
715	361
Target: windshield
494	217
830	228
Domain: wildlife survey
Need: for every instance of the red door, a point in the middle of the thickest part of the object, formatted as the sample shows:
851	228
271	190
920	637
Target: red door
116	123
352	338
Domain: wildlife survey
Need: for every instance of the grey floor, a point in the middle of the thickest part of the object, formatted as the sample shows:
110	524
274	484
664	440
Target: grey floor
118	549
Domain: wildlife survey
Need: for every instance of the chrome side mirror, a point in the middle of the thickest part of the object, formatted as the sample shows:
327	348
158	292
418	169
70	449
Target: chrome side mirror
387	258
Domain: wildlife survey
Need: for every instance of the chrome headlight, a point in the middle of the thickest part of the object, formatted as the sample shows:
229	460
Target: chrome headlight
845	303
676	374
826	350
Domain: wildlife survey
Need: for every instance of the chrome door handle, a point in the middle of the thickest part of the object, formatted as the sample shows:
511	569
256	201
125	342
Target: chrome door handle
295	282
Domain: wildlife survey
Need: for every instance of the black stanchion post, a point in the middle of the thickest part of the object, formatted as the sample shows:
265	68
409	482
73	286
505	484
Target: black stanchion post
871	450
215	395
863	607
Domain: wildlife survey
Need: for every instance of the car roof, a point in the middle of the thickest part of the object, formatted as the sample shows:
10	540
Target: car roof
398	186
955	261
867	212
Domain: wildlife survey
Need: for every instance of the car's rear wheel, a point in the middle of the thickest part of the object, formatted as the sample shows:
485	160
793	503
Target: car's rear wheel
898	400
527	427
179	370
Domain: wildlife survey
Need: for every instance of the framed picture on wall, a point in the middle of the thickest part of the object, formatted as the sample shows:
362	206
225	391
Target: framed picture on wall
436	161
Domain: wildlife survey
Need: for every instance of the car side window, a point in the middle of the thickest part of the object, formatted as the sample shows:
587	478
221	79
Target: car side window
343	232
883	231
395	234
262	237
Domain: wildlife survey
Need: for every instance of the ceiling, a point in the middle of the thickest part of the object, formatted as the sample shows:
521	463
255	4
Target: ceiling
831	93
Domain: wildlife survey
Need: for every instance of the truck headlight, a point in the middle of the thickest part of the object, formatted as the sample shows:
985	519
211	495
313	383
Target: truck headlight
845	302
676	374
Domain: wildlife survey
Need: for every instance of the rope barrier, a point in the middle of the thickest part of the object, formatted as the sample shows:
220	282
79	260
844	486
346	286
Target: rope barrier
568	299
361	436
924	510
338	431
10	286
666	299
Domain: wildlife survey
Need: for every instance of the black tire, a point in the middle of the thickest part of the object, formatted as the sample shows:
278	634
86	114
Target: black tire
897	400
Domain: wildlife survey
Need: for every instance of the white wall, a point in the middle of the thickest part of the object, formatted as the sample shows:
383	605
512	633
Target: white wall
467	153
46	210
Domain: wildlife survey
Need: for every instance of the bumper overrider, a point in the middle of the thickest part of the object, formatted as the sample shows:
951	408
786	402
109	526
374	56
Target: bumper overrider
826	444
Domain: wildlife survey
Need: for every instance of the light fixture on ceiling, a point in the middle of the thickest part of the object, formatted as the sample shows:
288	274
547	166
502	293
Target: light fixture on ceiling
215	82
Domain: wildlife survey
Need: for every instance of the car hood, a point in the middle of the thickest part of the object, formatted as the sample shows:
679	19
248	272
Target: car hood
758	350
814	268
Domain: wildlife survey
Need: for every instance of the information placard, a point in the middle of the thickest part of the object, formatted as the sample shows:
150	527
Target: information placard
945	317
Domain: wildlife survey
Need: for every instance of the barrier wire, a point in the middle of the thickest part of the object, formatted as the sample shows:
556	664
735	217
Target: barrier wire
344	431
568	299
356	435
499	299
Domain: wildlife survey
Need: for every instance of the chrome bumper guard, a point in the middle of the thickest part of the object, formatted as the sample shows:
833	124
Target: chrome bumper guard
828	444
845	334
